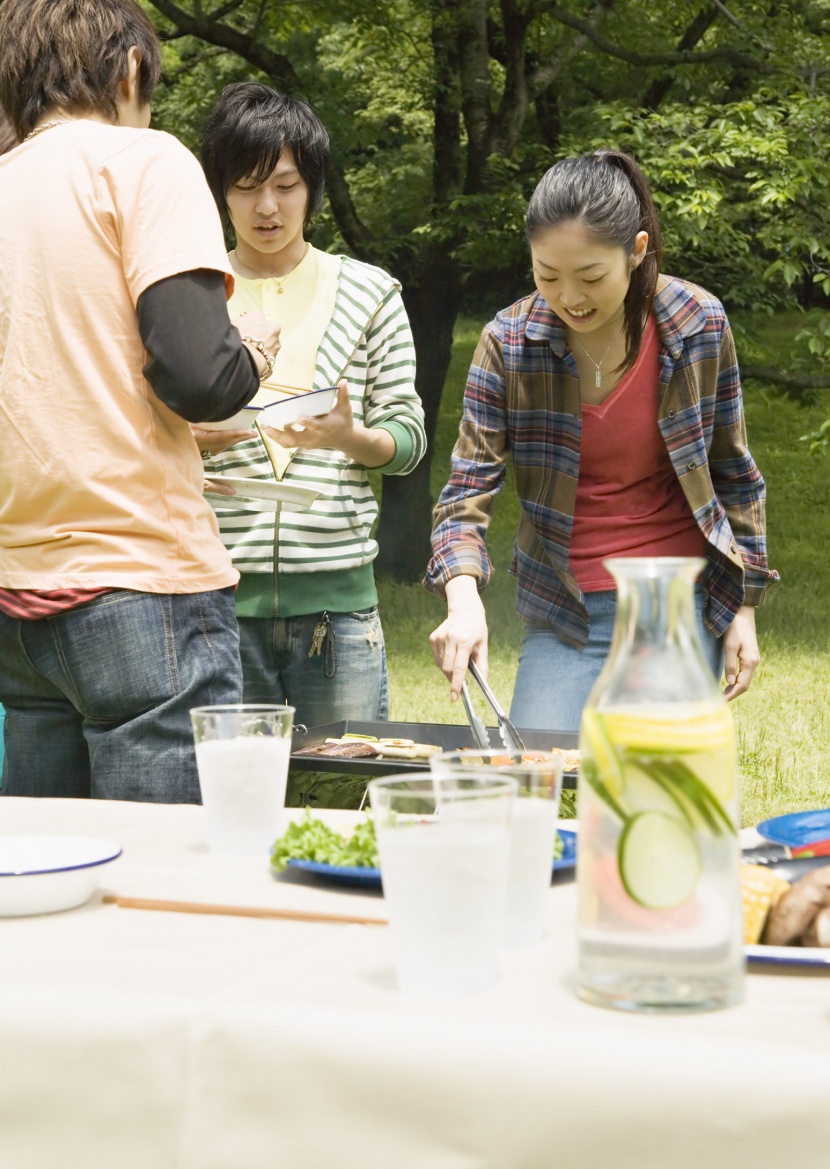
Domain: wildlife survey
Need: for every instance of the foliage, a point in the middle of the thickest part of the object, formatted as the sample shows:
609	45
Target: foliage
444	113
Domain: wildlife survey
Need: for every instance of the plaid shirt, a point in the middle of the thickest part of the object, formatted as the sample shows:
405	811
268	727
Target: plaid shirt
522	399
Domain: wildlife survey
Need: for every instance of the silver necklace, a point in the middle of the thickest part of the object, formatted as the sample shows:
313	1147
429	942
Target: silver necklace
46	126
596	364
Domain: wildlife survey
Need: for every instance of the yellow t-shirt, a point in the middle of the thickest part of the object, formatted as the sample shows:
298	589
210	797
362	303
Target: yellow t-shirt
303	308
100	483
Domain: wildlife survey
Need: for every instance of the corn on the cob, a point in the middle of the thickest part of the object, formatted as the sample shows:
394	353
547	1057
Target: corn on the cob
761	888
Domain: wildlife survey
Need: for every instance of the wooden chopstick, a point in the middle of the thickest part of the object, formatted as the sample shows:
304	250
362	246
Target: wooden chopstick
238	910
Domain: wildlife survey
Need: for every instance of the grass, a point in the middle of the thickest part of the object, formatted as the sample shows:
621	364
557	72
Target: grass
783	723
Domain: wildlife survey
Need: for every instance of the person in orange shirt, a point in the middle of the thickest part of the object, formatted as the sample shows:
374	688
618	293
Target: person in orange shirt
116	594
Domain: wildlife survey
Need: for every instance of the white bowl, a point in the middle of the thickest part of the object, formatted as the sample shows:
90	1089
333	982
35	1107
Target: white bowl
309	405
242	420
44	874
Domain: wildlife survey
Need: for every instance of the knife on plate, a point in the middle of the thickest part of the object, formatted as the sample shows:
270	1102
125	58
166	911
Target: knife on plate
509	735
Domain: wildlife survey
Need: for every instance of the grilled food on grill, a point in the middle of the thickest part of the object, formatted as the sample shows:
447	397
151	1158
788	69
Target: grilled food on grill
338	750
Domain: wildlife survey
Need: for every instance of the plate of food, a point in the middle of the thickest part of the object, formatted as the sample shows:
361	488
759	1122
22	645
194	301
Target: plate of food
259	490
787	918
310	846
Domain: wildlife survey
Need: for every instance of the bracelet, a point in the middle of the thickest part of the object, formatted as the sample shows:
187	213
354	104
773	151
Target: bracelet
259	345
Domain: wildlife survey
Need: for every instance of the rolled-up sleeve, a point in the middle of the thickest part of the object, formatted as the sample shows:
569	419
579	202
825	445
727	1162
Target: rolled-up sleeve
464	509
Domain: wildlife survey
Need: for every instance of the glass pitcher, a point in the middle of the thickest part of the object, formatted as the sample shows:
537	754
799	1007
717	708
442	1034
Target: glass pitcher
660	926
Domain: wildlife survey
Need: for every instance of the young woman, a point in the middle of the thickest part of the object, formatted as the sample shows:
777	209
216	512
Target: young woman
307	604
615	390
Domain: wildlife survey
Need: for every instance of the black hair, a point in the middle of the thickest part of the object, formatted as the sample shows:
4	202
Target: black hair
608	192
247	131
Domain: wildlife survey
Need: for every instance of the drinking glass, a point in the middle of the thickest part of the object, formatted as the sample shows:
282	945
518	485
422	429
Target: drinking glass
242	757
538	775
443	842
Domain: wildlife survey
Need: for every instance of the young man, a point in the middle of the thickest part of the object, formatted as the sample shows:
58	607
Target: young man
309	627
116	607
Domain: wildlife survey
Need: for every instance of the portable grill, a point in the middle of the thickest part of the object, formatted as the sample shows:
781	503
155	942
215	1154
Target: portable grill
447	736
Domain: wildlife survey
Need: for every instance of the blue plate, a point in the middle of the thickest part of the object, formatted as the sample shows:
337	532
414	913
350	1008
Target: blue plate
369	878
798	828
365	877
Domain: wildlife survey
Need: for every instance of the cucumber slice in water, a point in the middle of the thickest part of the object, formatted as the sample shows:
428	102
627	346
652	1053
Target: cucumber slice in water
659	860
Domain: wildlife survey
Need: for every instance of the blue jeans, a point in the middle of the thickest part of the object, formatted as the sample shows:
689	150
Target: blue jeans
98	698
328	666
554	680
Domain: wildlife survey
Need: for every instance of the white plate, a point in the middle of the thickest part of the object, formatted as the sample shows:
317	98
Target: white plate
261	489
44	874
309	405
242	420
789	955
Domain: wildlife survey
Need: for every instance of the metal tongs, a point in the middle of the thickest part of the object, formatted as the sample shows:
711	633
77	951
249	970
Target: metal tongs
509	735
482	739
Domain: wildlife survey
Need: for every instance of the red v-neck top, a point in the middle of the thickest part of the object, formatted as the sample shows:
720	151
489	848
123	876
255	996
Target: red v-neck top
629	501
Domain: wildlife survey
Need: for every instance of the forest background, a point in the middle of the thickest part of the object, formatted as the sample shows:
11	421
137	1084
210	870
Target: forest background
443	115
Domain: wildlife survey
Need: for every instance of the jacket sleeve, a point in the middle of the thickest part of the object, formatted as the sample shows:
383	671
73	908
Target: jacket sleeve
391	401
737	482
465	506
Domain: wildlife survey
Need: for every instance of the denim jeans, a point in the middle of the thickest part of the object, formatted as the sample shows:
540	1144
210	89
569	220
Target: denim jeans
328	666
554	679
98	698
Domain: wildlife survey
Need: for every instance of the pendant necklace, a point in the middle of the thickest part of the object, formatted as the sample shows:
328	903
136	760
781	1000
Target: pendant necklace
596	364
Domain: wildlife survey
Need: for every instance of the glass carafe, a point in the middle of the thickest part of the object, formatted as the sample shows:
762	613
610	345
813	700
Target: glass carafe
660	925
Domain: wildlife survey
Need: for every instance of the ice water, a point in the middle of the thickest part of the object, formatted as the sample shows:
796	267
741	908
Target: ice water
659	924
532	836
243	791
445	885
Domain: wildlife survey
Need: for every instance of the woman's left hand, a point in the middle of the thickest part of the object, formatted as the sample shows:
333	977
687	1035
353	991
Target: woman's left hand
740	644
333	431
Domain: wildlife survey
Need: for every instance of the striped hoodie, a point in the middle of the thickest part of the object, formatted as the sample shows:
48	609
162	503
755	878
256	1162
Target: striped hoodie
522	401
368	342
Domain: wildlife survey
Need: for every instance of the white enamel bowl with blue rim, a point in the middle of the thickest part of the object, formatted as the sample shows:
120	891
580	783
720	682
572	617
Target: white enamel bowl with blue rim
45	874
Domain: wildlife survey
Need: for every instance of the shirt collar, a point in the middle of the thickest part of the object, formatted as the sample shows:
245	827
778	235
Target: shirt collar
677	312
543	324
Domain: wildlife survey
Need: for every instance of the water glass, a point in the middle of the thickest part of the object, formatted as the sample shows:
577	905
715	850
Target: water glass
538	775
242	757
443	843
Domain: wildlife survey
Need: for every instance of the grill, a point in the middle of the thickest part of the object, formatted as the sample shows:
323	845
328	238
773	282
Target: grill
447	736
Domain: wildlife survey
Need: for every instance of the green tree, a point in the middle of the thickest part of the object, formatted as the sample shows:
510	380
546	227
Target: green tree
444	113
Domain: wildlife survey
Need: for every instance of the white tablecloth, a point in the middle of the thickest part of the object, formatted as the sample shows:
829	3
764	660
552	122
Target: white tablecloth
142	1040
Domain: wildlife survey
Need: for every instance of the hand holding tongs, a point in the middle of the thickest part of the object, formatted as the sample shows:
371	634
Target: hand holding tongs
509	734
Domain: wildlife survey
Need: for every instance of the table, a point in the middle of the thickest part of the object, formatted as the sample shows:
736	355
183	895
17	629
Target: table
140	1040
